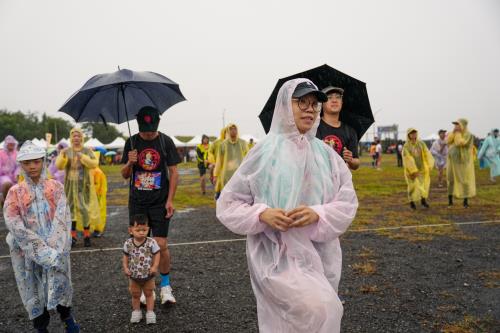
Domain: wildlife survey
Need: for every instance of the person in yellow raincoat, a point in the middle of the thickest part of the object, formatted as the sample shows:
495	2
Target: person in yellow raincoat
101	189
460	173
202	159
77	161
213	150
231	153
417	163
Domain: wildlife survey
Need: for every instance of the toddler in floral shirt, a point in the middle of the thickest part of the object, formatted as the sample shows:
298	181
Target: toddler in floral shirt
141	257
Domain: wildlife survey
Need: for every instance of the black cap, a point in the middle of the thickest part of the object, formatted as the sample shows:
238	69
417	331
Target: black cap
148	119
305	88
331	89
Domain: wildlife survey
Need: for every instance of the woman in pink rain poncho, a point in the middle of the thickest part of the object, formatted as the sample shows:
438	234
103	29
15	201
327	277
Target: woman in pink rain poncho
9	169
293	197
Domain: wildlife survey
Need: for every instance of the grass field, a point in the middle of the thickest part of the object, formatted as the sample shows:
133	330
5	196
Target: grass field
382	200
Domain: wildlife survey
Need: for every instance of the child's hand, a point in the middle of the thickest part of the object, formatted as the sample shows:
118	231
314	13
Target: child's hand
127	272
153	271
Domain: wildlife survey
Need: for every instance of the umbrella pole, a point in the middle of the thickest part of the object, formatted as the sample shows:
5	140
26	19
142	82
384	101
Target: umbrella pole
126	116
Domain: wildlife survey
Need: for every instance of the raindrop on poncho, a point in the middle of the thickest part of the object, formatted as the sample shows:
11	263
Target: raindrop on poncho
39	239
460	172
294	274
417	159
490	154
79	184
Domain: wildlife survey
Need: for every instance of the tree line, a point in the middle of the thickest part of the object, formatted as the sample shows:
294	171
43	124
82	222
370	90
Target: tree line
29	125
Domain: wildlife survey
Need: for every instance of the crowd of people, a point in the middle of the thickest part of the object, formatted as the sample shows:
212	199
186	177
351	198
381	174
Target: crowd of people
291	194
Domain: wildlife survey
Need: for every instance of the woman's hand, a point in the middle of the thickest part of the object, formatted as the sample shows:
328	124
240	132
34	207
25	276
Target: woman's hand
276	218
302	216
127	272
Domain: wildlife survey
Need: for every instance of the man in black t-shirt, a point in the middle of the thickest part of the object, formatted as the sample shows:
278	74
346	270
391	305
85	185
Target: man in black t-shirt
151	159
338	135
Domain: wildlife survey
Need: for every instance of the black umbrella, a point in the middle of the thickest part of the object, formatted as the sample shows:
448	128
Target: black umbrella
356	110
117	97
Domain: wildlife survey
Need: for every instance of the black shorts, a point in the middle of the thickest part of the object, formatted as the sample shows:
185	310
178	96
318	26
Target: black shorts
158	224
202	168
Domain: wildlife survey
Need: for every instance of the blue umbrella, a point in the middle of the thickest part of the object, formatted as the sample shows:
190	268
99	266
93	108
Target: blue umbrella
117	97
102	150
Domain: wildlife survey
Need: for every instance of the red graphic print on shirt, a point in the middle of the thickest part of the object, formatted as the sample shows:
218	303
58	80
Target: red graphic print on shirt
149	159
334	142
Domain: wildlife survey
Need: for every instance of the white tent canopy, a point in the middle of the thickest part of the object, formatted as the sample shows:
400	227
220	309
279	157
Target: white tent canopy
247	138
194	141
431	137
93	143
117	143
178	143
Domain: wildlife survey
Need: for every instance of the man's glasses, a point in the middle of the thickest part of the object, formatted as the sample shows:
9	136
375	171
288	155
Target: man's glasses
305	103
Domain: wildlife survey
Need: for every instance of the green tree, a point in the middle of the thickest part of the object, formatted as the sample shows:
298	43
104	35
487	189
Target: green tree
103	133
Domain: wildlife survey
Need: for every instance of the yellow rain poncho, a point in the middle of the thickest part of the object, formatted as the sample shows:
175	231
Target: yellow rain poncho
460	172
417	159
101	189
213	150
79	183
229	158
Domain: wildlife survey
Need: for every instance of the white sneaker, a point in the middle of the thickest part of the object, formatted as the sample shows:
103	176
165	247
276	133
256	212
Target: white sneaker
143	297
166	295
150	318
136	316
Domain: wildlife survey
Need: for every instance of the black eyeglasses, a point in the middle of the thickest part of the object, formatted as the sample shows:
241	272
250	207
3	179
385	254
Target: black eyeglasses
305	103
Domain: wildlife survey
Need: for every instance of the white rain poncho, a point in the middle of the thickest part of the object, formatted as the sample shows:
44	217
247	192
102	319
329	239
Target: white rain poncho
294	274
39	224
490	154
439	151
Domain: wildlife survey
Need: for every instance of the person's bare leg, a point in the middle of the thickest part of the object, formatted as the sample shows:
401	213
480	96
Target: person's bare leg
148	292
203	184
135	292
164	255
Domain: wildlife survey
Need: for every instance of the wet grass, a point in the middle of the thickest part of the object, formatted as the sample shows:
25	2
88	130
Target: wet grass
383	202
470	324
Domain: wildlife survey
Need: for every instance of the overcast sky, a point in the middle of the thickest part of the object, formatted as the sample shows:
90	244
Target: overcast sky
425	62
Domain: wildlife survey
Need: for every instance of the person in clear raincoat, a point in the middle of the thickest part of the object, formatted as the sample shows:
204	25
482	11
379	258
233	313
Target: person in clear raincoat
460	173
39	222
292	197
490	154
439	151
417	163
79	185
229	157
9	169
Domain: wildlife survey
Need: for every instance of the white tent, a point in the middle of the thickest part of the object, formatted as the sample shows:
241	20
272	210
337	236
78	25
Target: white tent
65	141
93	143
117	143
194	141
431	137
178	143
247	138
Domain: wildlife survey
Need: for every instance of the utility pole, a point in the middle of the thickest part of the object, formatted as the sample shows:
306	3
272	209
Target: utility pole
224	118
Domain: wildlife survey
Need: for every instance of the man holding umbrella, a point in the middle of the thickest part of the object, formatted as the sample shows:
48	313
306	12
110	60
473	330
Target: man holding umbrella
335	133
151	159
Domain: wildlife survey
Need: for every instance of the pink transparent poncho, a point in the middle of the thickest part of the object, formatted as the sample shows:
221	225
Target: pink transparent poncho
294	274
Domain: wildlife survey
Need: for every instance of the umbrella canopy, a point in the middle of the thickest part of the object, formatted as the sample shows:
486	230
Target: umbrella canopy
117	97
117	143
356	110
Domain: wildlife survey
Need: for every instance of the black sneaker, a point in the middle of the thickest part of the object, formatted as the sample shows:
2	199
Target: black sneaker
86	242
413	206
73	241
424	203
96	234
466	203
